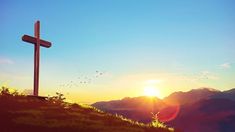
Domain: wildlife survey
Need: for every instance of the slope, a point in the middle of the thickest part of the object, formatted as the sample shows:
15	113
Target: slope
23	113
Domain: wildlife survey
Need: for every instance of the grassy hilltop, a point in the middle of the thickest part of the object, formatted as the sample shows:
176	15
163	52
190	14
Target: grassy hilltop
24	113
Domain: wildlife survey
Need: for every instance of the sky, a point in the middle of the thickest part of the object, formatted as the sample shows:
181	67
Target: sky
110	49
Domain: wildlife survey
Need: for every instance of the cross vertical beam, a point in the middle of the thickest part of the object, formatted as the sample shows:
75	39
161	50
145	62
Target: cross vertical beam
37	43
36	57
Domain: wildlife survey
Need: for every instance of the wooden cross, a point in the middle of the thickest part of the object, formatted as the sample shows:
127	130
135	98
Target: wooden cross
37	43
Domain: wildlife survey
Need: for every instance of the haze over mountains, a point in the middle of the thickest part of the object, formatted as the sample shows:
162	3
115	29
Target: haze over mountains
203	109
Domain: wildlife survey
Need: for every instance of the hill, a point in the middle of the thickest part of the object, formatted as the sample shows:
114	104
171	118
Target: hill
25	113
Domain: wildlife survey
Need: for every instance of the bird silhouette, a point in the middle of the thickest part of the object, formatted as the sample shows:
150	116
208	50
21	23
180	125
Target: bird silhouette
82	80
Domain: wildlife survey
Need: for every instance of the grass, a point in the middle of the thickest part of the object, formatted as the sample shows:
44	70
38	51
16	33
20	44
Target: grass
22	113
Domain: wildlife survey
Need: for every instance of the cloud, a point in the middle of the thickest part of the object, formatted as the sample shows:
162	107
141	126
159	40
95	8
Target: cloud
207	75
5	61
225	66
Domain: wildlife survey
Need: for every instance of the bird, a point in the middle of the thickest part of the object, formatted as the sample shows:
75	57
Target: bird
82	80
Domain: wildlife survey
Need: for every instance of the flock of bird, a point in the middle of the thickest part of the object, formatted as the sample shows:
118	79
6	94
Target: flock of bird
82	80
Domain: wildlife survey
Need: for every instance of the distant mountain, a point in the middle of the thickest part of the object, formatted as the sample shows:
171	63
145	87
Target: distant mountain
127	103
31	114
140	108
229	94
202	109
191	96
205	110
210	115
137	108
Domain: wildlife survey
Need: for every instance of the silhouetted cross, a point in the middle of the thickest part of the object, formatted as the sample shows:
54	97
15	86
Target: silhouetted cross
37	43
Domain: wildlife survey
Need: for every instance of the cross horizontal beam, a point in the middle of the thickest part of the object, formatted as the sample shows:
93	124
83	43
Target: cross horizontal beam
33	40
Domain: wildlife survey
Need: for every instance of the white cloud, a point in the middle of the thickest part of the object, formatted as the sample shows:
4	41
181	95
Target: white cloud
5	61
225	66
207	75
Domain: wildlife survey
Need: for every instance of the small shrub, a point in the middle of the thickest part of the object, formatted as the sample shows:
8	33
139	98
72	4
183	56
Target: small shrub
8	92
156	122
57	99
5	91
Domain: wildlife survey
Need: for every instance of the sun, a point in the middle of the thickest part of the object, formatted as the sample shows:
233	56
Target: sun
151	91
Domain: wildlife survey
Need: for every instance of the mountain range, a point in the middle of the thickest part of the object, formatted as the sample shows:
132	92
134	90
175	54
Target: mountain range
197	110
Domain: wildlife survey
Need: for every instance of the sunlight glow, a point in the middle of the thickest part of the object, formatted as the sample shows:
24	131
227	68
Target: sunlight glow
151	91
153	81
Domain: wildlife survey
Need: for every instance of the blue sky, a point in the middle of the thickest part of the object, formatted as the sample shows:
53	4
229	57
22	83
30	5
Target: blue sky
186	44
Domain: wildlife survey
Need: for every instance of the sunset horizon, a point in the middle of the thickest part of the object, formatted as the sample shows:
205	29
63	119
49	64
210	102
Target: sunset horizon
110	50
117	65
